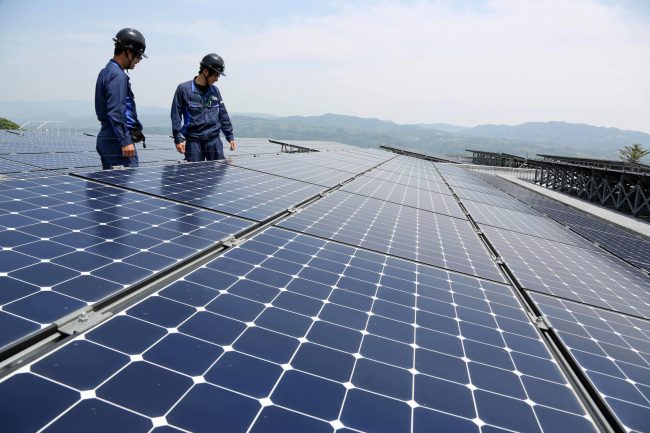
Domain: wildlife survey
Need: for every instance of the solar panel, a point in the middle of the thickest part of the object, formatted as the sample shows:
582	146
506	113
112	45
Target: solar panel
216	186
402	231
347	160
10	166
405	178
388	346
526	223
56	161
67	243
628	245
493	200
408	196
588	276
351	331
294	167
614	352
30	142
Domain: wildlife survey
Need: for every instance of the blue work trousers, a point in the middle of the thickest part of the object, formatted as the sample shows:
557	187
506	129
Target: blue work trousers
110	151
208	150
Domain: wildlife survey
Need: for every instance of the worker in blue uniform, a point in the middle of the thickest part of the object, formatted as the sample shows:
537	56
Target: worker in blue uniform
115	103
198	114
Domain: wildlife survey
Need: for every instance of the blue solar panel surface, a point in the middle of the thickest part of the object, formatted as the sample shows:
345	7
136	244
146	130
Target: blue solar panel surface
295	167
216	186
67	243
402	194
630	246
402	231
350	331
257	341
56	161
526	223
595	278
10	166
613	350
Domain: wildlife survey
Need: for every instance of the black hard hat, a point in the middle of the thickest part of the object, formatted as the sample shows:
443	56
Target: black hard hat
131	39
214	63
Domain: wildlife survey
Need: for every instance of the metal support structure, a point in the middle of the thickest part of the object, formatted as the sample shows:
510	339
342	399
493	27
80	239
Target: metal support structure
622	190
481	157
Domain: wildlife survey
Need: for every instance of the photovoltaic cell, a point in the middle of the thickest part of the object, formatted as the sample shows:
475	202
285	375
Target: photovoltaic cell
216	186
338	338
432	182
618	240
398	230
294	167
67	243
10	166
526	223
493	200
56	161
588	276
629	246
612	349
408	196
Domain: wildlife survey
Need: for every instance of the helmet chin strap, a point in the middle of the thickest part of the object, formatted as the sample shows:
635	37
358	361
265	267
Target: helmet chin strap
130	59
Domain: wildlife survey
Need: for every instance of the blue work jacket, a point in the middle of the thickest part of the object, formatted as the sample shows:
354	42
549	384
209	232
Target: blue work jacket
115	103
199	117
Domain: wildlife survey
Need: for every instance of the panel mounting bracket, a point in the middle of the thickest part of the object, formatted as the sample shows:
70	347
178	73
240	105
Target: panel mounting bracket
542	323
83	322
231	242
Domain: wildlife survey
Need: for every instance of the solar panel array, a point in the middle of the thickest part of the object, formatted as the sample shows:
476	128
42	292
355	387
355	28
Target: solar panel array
376	305
67	243
32	152
630	246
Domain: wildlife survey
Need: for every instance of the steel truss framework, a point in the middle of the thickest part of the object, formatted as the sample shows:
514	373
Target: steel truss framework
624	191
482	157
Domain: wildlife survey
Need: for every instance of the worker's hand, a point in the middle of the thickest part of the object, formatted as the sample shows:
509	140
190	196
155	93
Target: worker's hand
233	145
128	151
180	147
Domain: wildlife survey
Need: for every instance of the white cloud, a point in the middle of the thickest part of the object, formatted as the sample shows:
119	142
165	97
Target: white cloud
498	61
559	60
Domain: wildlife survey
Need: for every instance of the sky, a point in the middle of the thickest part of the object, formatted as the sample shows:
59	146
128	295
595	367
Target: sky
463	62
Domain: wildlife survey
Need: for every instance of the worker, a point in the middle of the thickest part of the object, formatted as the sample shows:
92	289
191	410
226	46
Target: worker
198	114
115	103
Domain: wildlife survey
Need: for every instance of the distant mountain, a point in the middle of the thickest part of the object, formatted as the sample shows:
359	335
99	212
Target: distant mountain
527	140
583	138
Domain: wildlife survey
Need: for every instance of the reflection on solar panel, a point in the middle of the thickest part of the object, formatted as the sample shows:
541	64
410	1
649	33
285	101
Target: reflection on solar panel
575	273
369	311
613	350
212	185
386	346
67	243
398	230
